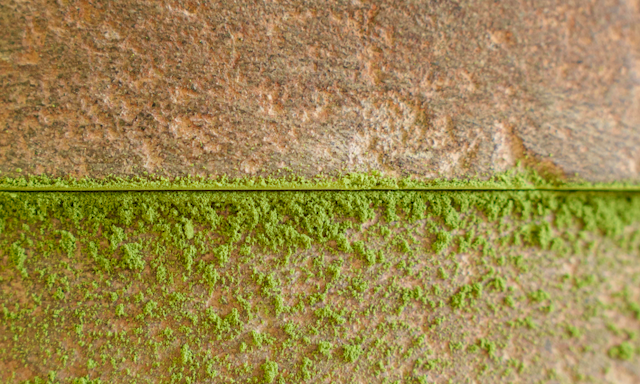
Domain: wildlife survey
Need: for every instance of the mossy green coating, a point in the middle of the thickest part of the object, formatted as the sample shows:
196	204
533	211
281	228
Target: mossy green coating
317	286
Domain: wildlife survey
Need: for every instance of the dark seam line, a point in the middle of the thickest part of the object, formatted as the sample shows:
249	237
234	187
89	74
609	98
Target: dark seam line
327	190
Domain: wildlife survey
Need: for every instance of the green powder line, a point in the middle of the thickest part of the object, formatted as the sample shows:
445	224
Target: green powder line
230	189
517	179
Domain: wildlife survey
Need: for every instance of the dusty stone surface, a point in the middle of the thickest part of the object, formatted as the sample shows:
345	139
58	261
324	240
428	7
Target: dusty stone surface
503	300
406	87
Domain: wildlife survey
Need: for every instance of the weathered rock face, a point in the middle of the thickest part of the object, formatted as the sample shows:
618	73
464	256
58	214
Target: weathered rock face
425	87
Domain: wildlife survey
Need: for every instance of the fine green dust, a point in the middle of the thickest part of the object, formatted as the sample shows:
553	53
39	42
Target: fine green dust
364	286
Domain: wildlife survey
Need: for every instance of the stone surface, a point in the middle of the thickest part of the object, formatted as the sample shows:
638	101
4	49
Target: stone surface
400	287
407	87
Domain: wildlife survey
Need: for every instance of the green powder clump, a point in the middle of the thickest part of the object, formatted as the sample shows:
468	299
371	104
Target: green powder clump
622	351
352	352
132	258
270	371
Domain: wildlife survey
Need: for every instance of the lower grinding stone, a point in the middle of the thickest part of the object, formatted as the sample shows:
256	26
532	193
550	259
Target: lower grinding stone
319	287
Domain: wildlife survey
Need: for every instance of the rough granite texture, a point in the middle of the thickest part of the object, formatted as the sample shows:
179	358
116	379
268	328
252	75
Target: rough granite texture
429	88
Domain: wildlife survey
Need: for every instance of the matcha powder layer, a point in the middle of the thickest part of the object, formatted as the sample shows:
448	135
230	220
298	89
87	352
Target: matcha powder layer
320	287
